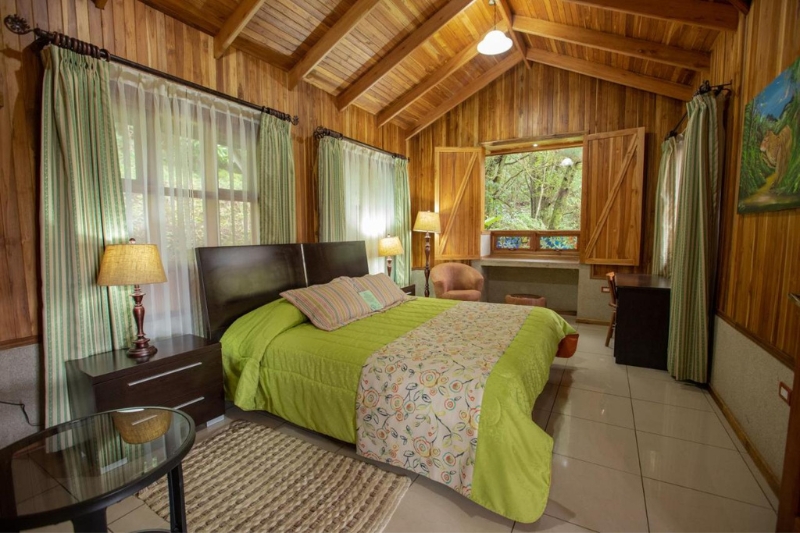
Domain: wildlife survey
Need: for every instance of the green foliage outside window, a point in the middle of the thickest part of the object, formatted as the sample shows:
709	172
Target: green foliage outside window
534	190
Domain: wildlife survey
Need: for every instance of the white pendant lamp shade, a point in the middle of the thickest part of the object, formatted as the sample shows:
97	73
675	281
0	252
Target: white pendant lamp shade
494	43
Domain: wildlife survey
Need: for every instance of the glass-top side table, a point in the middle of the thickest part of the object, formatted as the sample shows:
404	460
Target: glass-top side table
74	471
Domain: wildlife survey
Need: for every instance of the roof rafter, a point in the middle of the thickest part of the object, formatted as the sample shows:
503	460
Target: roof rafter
330	39
401	51
508	17
418	91
715	16
612	74
468	90
243	13
742	5
611	42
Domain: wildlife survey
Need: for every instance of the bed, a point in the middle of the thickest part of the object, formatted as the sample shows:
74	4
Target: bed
400	384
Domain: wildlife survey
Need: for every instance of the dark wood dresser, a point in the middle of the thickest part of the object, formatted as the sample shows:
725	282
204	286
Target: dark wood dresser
185	374
642	332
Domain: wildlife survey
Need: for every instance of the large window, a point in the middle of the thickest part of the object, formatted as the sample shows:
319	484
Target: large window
534	190
533	201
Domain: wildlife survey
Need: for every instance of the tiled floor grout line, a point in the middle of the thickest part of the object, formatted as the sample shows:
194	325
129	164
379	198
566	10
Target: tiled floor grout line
710	400
638	455
769	507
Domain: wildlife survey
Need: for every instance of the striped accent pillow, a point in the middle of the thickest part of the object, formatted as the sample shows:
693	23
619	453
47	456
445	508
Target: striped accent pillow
385	290
331	305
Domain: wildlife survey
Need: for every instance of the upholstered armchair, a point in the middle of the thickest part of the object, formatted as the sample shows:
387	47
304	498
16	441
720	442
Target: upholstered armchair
457	281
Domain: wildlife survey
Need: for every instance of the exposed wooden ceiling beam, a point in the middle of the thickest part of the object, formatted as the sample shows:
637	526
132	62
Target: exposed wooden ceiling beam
612	42
742	5
332	37
468	90
235	24
612	74
715	16
401	51
418	91
100	4
508	17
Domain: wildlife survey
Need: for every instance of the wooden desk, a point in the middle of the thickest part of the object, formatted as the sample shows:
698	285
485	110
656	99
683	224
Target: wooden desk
642	331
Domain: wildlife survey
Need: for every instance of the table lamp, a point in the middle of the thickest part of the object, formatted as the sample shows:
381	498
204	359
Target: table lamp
388	247
133	264
428	222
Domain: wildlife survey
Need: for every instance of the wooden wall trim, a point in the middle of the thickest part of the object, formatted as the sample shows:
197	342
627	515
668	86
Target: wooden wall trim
777	353
16	343
752	451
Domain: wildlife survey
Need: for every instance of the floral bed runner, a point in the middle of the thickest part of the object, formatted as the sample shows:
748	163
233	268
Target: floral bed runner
419	397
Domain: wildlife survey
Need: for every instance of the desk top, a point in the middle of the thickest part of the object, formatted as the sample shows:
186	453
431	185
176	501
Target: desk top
642	281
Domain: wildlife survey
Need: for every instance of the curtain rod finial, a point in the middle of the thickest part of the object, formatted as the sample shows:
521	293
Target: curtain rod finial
17	24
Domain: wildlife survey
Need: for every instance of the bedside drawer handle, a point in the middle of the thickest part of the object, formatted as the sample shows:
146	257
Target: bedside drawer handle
151	378
190	402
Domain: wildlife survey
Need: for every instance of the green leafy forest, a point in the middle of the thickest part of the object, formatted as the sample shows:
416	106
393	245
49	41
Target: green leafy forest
534	190
762	120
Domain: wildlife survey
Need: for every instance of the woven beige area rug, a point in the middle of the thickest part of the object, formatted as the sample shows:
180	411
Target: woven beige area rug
253	478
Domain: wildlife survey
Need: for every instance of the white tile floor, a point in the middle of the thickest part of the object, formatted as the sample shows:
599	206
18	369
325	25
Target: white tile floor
634	451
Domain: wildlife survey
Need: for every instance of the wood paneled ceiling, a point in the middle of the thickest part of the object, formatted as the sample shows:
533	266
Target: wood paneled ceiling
409	61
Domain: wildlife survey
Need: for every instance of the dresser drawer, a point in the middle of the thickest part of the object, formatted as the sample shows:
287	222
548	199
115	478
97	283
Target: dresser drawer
159	386
201	406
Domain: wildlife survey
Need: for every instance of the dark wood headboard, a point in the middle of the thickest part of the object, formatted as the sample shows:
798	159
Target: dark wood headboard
235	280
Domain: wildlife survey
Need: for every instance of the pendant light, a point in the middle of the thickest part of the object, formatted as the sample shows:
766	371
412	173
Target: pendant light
495	41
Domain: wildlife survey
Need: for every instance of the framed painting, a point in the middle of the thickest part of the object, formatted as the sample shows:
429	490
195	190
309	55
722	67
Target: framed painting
770	175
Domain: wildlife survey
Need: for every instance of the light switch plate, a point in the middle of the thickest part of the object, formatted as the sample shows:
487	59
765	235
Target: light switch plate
605	289
785	392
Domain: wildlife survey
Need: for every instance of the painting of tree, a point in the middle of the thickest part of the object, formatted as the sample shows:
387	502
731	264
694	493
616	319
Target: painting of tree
534	190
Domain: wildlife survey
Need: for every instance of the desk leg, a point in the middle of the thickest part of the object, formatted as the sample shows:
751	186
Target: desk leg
177	510
91	523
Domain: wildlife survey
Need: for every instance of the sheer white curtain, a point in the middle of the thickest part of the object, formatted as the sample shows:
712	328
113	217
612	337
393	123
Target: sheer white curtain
368	198
189	170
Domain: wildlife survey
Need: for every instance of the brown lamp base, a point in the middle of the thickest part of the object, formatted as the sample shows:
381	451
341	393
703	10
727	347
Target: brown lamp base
142	352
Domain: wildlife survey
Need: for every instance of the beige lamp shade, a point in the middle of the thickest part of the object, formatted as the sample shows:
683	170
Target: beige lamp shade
428	221
389	246
131	264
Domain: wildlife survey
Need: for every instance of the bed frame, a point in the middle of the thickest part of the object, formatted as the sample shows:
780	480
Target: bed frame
235	280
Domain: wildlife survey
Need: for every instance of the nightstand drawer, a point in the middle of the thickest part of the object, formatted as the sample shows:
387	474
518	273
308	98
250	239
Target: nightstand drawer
161	385
202	406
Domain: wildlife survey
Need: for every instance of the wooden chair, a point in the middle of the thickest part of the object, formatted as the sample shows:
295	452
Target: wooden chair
612	285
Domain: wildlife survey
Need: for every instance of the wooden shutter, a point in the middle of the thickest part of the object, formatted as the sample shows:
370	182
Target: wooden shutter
612	198
459	201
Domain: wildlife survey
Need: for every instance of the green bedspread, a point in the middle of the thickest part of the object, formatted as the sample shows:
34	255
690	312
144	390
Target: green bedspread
276	361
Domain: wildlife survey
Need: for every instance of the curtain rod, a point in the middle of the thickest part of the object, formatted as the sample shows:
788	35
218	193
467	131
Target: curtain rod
20	26
321	132
704	88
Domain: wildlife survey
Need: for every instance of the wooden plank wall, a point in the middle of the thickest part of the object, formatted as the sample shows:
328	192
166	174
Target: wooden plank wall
130	29
545	101
760	253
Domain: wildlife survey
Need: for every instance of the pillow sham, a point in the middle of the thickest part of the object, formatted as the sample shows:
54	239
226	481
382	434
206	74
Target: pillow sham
385	290
331	305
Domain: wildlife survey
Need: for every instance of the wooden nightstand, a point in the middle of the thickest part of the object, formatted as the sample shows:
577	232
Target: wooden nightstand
411	290
185	374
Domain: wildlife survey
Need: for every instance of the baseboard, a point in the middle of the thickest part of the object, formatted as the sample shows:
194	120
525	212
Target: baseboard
769	475
592	321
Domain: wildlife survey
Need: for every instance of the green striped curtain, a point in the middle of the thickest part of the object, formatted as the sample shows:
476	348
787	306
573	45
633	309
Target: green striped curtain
332	222
402	222
276	181
82	210
669	174
695	244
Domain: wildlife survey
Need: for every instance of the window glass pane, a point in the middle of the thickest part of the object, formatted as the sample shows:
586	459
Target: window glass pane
534	190
515	242
558	242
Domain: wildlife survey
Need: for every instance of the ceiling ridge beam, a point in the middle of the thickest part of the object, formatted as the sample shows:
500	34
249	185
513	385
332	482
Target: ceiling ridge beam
612	74
508	17
401	51
468	90
234	25
330	39
466	55
715	16
612	42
